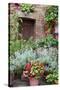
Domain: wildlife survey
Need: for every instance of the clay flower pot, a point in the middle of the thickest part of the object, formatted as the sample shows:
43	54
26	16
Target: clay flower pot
33	82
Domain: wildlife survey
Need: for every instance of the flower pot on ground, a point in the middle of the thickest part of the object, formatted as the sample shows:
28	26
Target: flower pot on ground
33	82
33	71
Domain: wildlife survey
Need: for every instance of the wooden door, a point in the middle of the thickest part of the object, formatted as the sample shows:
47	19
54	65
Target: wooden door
27	28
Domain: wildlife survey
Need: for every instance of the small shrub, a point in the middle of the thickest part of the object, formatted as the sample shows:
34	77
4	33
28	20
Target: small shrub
20	58
51	17
47	41
52	78
48	56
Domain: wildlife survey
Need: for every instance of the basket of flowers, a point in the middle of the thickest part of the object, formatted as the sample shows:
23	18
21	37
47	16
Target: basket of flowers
33	71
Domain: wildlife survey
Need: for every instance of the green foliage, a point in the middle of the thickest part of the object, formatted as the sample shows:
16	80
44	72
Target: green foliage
51	16
14	26
49	57
27	8
46	56
51	13
22	51
30	43
52	77
14	46
47	41
14	31
19	59
50	41
22	45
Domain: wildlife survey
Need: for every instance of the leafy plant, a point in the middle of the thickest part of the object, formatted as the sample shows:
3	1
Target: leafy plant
27	8
50	41
20	58
30	43
51	13
47	41
51	17
48	57
14	46
14	24
52	78
24	50
34	69
14	32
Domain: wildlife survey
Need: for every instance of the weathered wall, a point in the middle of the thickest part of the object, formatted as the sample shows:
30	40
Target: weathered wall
38	15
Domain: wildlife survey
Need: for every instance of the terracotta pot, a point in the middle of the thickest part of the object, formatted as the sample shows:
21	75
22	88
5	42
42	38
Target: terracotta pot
33	82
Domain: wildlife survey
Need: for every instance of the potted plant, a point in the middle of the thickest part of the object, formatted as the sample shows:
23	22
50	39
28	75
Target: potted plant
33	71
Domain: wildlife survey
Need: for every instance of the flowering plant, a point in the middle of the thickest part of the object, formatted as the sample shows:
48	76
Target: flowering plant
33	69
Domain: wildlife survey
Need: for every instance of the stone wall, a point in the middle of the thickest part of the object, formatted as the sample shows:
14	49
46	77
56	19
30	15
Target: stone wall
39	26
38	15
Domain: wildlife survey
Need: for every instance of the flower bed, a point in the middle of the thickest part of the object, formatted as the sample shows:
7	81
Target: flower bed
41	51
